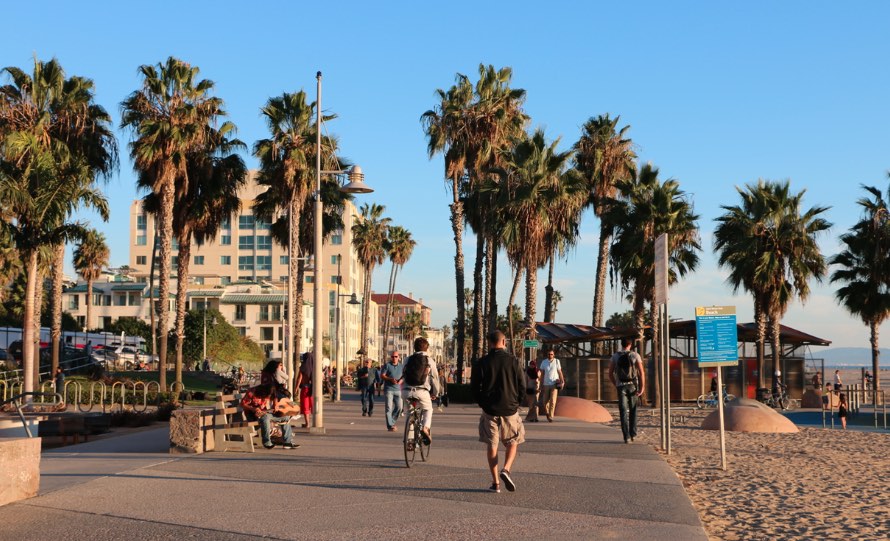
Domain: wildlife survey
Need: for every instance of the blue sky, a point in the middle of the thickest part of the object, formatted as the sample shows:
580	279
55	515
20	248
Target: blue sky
717	95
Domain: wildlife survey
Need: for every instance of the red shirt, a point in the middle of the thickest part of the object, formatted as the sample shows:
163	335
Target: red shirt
251	402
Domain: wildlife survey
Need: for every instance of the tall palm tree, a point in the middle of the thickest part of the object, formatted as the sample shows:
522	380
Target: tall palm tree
769	245
369	234
287	167
170	117
54	142
400	246
412	326
555	299
603	155
645	208
864	269
471	125
90	258
216	173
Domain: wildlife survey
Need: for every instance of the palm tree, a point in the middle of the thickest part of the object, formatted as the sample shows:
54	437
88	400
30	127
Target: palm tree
54	142
369	234
555	299
412	326
770	249
471	125
645	208
864	268
90	258
603	155
215	174
287	167
400	246
170	117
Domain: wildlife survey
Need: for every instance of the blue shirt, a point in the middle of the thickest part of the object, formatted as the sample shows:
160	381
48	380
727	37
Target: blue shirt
395	372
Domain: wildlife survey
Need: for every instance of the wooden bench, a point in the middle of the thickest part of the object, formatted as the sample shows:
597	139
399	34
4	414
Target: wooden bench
231	432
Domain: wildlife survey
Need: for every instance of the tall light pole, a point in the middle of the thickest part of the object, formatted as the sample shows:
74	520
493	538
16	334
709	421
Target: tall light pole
356	185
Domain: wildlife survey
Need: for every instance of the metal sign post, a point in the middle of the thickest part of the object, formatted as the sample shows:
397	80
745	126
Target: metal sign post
717	341
661	350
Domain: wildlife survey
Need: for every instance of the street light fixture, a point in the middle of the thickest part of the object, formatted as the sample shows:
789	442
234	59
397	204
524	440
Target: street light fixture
356	185
340	350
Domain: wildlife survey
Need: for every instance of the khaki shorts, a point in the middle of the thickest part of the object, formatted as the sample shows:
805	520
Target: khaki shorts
507	429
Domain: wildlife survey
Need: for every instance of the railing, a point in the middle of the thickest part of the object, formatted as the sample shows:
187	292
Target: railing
856	397
18	406
98	394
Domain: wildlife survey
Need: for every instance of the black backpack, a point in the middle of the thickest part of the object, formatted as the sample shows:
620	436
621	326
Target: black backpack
416	370
626	368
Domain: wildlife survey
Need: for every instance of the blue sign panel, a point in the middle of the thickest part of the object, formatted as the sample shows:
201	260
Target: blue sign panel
718	336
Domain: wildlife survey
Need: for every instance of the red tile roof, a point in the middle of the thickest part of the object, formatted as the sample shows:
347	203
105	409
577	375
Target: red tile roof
399	299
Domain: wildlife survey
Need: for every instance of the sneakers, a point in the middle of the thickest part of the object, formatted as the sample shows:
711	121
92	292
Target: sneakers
291	445
269	445
392	429
496	488
425	435
364	414
508	481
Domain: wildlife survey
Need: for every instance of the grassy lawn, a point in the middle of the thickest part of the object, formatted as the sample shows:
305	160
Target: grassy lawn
193	381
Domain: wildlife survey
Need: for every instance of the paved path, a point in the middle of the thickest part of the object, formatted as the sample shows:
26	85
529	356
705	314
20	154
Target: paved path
575	481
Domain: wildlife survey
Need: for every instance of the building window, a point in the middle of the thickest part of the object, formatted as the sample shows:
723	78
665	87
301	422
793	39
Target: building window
263	262
283	259
120	299
225	240
246	221
264	312
276	312
283	278
140	260
225	260
332	298
226	223
335	259
140	240
225	280
337	239
245	242
174	260
141	222
199	280
245	262
263	224
335	279
242	331
175	245
135	299
199	260
240	312
267	333
264	242
310	279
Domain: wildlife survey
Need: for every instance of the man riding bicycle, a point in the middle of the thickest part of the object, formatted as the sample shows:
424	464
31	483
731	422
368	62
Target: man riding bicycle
421	379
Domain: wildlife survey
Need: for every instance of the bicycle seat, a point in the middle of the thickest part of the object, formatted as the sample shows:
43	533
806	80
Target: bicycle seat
413	401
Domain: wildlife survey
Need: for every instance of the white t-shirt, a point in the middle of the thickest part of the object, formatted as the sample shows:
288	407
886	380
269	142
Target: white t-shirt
550	371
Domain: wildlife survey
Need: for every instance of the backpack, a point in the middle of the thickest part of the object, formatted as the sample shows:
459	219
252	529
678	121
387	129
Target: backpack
627	369
416	370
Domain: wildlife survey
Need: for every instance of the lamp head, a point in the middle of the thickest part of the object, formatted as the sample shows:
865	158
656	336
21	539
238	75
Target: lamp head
356	182
353	300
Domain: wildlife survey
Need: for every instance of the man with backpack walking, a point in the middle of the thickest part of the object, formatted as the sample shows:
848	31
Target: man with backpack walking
498	386
421	379
627	375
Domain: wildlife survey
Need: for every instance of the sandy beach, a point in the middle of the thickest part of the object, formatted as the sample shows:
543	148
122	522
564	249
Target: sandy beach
817	484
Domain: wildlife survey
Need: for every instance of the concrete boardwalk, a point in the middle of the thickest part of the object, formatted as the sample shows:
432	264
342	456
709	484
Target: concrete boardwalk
575	481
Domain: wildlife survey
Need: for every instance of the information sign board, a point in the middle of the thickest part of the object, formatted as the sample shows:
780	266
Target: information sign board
717	333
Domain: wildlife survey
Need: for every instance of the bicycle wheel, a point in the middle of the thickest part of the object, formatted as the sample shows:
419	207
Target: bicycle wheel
410	438
424	448
783	402
700	402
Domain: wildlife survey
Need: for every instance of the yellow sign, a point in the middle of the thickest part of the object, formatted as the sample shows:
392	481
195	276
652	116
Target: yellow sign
714	311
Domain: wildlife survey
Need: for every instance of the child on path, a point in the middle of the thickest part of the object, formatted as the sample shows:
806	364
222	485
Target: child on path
842	410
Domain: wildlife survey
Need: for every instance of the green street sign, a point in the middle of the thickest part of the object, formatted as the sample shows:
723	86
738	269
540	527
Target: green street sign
531	344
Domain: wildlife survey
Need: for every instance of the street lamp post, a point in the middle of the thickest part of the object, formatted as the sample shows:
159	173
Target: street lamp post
341	349
356	185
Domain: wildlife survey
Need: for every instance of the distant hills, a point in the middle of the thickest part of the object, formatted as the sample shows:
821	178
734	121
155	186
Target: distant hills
851	356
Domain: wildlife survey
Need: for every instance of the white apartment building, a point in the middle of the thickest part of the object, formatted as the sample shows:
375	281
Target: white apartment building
240	272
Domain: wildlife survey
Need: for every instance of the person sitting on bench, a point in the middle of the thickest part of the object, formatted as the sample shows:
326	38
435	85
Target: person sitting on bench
261	404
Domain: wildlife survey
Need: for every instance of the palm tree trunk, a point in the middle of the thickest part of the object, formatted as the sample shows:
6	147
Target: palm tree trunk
366	312
548	292
28	321
602	268
486	312
296	277
165	224
775	337
531	296
182	274
86	326
760	341
151	288
639	310
297	317
477	294
875	354
38	310
656	358
56	328
517	277
460	333
387	316
493	285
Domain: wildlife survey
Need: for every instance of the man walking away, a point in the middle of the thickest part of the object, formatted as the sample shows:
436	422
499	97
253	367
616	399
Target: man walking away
498	386
366	377
552	380
391	374
422	380
627	375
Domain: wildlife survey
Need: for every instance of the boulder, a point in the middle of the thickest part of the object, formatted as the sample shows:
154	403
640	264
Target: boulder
748	403
19	469
582	410
191	431
744	418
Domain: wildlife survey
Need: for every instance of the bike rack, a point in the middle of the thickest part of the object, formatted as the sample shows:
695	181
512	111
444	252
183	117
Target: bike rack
5	389
14	400
100	394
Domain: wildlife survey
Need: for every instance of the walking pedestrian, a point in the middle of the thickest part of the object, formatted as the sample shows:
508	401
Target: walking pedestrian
367	375
837	380
532	391
498	386
842	410
304	383
552	379
59	380
391	374
627	375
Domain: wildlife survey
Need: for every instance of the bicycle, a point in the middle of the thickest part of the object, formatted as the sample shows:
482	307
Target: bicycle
709	400
779	399
413	439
